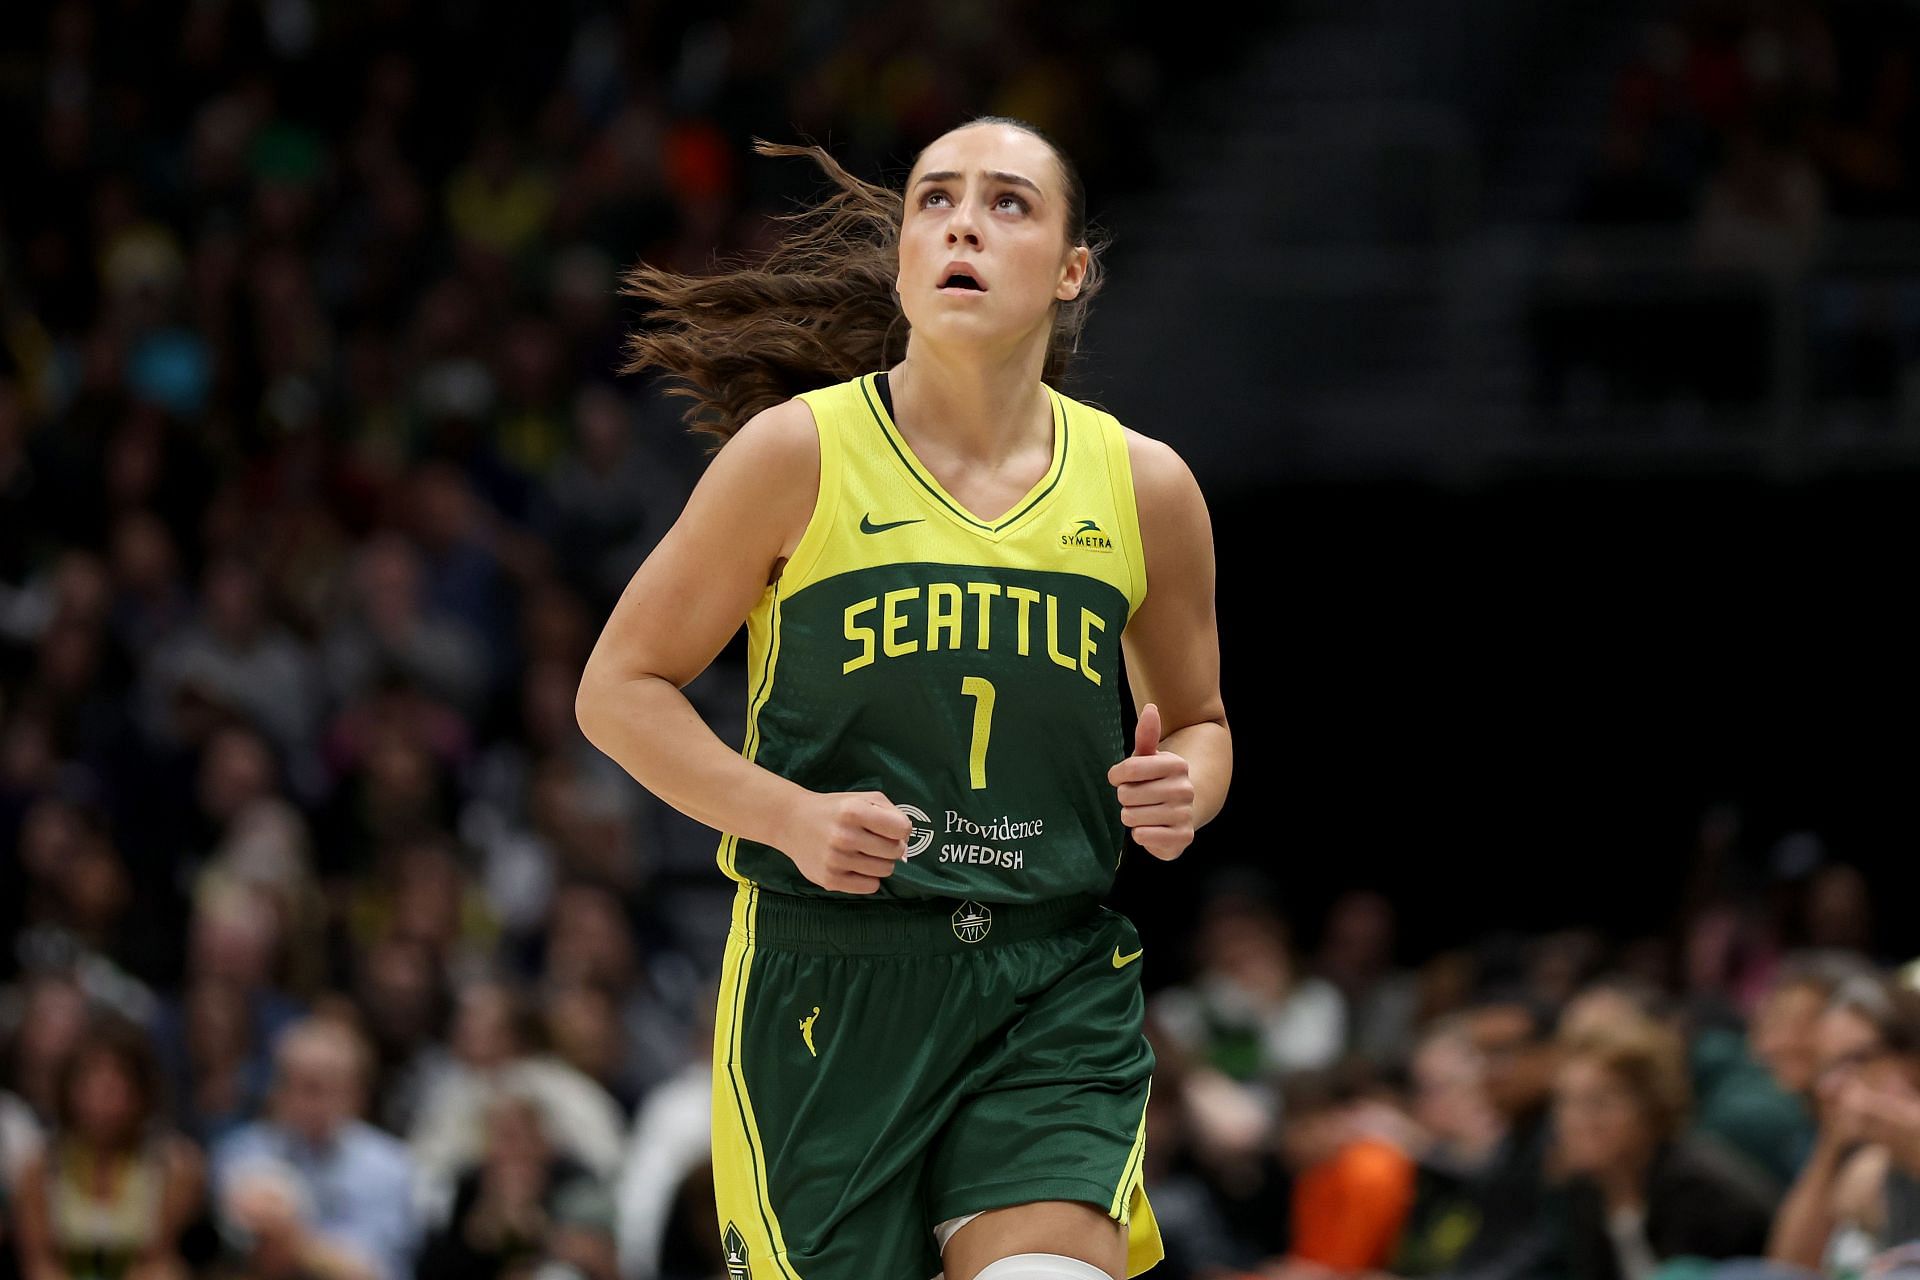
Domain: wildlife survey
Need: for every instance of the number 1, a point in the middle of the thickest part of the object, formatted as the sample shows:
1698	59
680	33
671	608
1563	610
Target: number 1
980	689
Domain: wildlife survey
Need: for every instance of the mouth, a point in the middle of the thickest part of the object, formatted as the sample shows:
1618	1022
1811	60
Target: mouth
960	281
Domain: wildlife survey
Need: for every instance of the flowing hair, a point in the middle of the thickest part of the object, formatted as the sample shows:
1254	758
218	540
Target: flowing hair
819	309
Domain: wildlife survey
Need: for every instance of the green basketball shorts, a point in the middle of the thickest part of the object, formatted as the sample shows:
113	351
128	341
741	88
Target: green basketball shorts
882	1066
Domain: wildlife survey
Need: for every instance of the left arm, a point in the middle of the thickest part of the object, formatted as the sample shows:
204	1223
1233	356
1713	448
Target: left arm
1173	784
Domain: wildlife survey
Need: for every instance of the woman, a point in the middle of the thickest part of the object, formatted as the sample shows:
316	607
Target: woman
111	1194
930	1033
1642	1190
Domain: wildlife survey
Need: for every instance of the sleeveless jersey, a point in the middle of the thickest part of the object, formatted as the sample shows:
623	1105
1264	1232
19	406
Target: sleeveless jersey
968	669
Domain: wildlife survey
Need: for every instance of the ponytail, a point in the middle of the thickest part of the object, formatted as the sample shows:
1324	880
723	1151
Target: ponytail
820	309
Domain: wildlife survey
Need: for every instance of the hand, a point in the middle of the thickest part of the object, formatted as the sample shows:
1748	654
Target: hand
1891	1118
847	841
1156	793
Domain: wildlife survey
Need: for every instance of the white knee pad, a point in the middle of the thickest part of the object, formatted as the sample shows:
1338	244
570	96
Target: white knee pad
1041	1266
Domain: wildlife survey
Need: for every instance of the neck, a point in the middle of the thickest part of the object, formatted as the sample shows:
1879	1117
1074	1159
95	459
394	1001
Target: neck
1624	1183
983	406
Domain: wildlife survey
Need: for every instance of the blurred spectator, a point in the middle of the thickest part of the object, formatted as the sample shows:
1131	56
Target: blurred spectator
1859	1193
1762	210
401	991
1456	1131
235	656
1357	956
222	1069
671	1140
497	1043
1352	1185
1521	1219
591	942
49	1022
112	1192
389	627
312	1176
524	1205
1252	1011
1642	1189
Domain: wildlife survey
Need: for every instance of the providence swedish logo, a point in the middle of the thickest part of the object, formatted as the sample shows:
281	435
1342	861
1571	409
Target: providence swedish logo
1087	535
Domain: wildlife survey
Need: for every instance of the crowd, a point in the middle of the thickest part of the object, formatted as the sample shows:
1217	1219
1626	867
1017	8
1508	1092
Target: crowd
1758	120
333	950
1779	142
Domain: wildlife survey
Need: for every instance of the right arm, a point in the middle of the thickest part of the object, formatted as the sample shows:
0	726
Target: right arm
678	611
1806	1217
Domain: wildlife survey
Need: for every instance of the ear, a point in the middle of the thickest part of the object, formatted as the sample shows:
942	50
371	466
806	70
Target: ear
1074	275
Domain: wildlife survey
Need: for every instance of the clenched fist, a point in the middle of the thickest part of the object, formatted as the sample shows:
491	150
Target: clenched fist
847	841
1156	793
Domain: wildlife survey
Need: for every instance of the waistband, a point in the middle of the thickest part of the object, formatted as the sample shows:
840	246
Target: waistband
888	926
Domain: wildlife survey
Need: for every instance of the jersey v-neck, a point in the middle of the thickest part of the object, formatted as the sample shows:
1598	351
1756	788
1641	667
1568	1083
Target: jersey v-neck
882	410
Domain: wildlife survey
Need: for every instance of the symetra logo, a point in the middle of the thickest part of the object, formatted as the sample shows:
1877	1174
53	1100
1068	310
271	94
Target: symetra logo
868	526
922	828
1087	535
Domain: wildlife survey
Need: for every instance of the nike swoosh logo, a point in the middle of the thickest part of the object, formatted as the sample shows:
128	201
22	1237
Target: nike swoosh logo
1121	962
868	526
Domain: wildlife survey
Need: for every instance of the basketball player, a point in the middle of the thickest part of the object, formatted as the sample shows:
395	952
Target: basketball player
929	1050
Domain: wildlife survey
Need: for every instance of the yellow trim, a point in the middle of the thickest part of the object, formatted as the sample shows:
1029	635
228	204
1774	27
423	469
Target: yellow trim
1145	1248
793	575
1014	516
1120	468
1130	1206
1130	1170
730	842
821	524
739	1157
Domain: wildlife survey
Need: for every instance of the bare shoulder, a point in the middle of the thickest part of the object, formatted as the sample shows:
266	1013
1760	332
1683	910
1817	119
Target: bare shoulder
1161	477
780	436
770	472
1174	523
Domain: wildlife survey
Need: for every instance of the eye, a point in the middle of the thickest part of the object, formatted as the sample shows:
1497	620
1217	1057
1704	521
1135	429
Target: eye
930	195
1016	199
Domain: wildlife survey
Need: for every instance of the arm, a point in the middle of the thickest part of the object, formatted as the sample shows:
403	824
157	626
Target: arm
39	1258
1175	784
1806	1217
682	605
182	1197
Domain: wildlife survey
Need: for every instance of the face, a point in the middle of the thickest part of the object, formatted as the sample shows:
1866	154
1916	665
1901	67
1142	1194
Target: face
318	1091
1844	1043
1783	1036
1246	951
483	1031
105	1100
1449	1088
1316	1138
1519	1070
991	196
1596	1121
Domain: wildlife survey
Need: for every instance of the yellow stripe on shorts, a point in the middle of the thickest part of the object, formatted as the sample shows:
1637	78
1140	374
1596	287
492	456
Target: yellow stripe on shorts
739	1157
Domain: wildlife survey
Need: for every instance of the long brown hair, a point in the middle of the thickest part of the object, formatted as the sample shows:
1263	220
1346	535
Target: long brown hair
821	308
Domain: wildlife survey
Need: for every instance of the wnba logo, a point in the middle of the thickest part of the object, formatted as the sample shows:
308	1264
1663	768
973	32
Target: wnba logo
971	921
1087	535
922	829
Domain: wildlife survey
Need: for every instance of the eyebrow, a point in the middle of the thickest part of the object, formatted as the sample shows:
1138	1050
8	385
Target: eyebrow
948	175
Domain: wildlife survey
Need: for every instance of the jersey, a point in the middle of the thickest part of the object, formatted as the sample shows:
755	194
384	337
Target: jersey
967	668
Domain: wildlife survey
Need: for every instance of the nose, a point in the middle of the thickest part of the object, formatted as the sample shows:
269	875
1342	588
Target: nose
961	225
